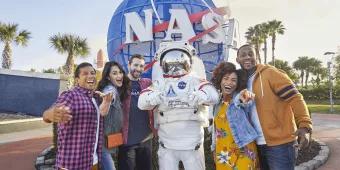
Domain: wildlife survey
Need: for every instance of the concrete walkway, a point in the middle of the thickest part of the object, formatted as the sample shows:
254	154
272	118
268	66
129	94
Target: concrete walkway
327	129
21	155
18	150
23	135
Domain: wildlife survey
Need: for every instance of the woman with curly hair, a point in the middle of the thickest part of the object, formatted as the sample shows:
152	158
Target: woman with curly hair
233	136
114	79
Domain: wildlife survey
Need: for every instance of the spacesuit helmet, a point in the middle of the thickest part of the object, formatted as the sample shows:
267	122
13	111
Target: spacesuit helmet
176	58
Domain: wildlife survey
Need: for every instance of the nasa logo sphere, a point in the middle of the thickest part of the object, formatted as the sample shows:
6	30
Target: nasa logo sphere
120	48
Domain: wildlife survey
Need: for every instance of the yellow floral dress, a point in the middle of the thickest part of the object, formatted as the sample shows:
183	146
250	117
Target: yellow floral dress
227	153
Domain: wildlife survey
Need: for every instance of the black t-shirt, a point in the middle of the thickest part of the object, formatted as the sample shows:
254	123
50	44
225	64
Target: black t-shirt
138	119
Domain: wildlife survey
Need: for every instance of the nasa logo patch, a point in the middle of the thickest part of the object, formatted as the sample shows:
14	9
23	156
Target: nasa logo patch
171	92
182	85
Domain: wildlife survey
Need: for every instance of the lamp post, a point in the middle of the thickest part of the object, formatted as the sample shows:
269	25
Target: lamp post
330	77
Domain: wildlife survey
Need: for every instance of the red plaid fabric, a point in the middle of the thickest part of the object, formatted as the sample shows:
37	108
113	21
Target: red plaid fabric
76	138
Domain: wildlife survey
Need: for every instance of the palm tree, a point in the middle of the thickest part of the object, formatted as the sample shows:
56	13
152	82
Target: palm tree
280	64
8	34
321	74
73	45
301	64
312	65
283	65
264	36
337	68
253	36
275	27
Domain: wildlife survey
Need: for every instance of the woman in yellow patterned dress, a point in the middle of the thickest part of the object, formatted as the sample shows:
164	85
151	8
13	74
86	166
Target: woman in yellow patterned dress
233	136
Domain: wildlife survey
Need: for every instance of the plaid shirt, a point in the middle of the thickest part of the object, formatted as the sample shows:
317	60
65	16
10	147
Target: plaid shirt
76	138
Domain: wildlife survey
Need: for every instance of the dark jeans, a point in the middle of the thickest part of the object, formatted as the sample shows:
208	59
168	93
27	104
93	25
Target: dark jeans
280	157
135	157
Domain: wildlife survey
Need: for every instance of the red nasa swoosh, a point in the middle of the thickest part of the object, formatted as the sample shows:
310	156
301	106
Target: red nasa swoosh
196	17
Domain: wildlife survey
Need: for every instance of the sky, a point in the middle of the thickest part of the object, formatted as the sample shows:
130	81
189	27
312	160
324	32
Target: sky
312	26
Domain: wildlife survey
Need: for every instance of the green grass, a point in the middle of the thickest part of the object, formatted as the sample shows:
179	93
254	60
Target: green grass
322	102
319	108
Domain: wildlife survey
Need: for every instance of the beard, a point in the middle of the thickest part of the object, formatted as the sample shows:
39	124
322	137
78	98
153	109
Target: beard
136	74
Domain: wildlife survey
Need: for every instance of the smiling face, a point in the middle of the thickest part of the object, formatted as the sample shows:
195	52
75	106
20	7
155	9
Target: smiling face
86	78
246	57
229	83
136	68
116	76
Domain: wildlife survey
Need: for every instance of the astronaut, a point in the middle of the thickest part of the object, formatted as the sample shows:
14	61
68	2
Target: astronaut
180	99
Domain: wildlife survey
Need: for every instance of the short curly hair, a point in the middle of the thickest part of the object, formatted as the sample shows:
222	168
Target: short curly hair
228	68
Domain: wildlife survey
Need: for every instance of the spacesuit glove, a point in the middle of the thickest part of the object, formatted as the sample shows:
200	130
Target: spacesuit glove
198	98
155	98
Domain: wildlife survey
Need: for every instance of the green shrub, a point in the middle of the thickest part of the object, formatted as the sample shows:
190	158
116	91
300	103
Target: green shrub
320	93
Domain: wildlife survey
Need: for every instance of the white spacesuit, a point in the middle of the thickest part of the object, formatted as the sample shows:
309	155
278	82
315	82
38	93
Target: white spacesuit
180	100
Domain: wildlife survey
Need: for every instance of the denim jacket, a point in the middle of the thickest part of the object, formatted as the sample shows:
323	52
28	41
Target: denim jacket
113	121
240	124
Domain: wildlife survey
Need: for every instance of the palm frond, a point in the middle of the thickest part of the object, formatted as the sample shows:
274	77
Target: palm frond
276	27
23	37
57	43
8	32
71	44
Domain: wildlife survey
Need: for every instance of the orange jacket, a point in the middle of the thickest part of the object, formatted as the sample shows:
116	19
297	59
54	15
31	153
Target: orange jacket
280	106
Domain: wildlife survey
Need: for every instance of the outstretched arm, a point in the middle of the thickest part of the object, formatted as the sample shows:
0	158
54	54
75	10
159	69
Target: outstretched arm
244	98
105	105
59	113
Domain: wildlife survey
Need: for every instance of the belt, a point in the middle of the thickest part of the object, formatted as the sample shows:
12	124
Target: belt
95	167
162	113
196	147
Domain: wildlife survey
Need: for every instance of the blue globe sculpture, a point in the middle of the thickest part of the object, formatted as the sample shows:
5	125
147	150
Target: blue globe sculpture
210	53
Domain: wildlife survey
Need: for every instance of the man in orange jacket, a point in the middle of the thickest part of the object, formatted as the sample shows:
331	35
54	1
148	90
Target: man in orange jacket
280	113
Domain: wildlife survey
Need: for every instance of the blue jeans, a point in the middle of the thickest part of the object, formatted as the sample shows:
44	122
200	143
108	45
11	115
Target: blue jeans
107	161
280	157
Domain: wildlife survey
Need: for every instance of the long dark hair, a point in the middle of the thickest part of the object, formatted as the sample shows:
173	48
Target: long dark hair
104	81
227	68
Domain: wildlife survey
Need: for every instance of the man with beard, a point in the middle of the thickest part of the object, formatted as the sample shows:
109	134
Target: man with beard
137	130
280	113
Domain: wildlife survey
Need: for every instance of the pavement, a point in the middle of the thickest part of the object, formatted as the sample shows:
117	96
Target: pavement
21	155
18	150
327	130
14	126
